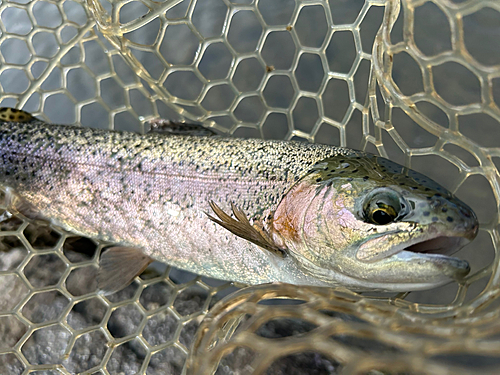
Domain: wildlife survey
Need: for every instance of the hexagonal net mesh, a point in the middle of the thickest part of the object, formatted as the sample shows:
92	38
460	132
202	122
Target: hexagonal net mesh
416	81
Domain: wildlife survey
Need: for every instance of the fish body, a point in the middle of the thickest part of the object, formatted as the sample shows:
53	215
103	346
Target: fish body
305	214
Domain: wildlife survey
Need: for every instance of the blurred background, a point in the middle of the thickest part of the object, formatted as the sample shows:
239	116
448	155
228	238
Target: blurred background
414	81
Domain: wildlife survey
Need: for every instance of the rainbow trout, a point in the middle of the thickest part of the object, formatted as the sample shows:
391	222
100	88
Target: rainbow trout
248	210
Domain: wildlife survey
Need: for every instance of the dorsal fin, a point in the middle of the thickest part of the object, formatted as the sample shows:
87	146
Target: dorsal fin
14	115
242	228
179	128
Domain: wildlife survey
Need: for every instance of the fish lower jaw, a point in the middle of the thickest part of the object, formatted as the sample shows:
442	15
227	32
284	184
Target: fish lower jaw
410	275
402	287
445	268
430	260
437	251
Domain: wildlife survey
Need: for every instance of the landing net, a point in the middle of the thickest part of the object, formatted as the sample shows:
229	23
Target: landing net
413	80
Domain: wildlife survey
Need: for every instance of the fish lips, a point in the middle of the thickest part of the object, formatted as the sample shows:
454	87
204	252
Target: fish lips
426	257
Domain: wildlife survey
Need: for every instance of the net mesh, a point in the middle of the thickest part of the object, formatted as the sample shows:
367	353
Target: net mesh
415	81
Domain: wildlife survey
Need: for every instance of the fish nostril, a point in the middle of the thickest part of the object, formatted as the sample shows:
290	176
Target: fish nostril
465	212
435	204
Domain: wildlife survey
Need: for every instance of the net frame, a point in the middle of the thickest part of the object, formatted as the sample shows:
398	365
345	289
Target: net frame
460	327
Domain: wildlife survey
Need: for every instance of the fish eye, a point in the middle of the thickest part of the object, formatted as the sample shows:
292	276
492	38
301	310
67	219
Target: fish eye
383	216
383	206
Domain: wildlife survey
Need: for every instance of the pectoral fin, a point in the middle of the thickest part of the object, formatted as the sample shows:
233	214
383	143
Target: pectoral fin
178	128
119	266
242	228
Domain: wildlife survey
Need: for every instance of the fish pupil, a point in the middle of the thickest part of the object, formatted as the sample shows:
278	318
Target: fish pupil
381	217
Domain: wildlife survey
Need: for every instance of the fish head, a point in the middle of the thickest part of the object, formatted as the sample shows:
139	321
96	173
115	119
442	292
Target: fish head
368	223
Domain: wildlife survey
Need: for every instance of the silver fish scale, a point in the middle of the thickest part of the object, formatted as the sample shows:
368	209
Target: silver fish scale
259	170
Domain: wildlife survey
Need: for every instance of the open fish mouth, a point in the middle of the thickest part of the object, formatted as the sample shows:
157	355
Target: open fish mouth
430	259
419	263
443	245
432	242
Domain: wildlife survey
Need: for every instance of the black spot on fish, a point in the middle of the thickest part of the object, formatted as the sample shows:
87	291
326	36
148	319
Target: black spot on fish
350	179
426	213
318	179
355	171
444	209
449	219
11	117
365	178
434	219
